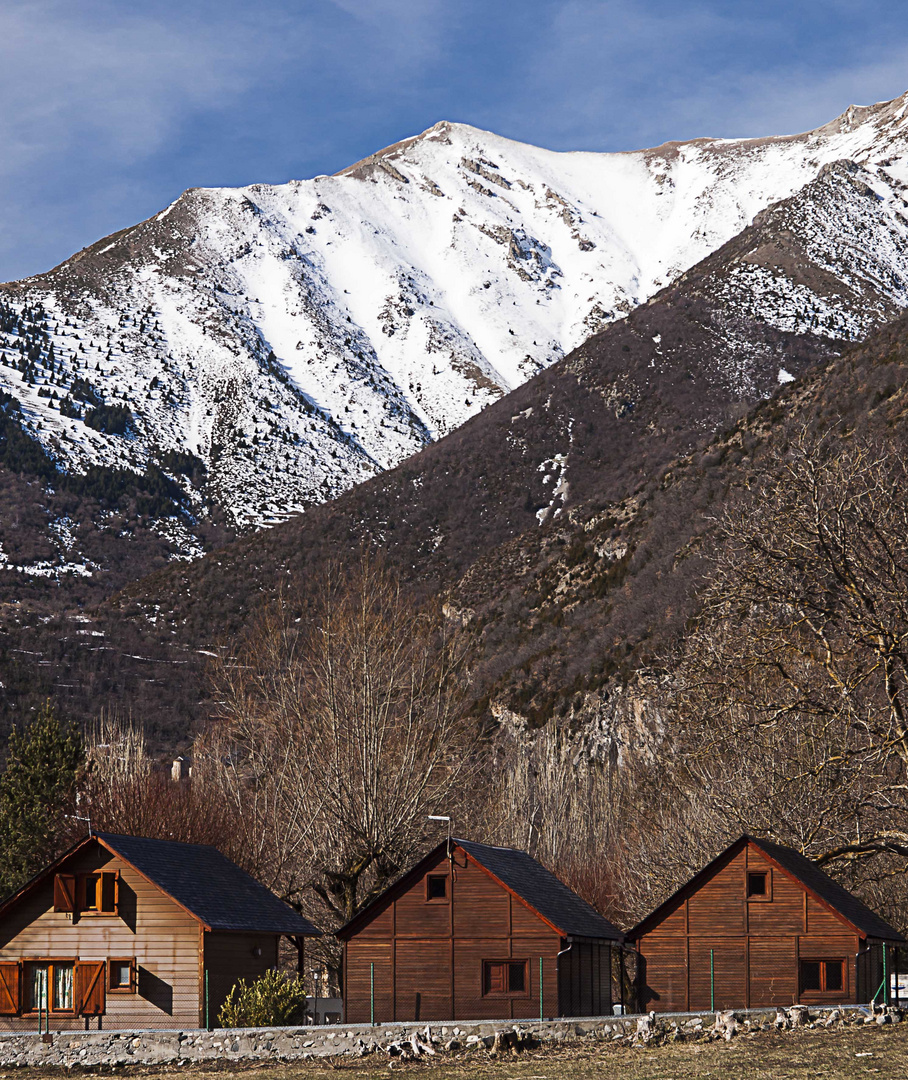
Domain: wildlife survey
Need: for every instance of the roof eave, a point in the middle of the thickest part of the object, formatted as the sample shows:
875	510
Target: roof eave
313	933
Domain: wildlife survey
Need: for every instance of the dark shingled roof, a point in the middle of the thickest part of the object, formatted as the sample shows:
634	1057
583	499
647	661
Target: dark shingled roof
209	885
530	880
810	874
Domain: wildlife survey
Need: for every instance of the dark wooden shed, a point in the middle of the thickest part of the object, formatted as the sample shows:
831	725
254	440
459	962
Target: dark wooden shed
475	932
762	925
135	933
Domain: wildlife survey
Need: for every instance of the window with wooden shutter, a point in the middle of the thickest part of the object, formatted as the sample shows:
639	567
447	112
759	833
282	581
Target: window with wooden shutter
505	978
494	977
47	986
90	987
98	893
65	893
9	989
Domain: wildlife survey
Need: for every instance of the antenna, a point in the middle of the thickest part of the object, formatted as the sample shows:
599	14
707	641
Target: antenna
443	817
79	817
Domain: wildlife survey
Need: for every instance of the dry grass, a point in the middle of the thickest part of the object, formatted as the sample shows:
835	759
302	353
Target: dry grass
817	1055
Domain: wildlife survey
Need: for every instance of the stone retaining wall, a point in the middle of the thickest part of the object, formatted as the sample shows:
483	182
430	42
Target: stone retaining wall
295	1044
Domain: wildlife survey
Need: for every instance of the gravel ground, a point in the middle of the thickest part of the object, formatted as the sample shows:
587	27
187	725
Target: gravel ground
819	1055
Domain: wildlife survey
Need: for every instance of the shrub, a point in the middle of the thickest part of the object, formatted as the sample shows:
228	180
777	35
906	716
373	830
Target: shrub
273	1000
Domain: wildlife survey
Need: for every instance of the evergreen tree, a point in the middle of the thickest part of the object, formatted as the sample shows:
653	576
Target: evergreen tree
36	790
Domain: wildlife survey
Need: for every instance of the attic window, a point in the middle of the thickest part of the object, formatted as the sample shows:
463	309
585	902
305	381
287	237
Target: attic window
97	893
437	887
87	894
758	885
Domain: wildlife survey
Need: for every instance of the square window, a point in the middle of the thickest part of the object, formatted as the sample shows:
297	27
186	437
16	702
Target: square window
122	975
437	887
757	885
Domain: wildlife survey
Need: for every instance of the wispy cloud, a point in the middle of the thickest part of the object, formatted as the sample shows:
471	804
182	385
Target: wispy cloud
110	109
72	75
623	73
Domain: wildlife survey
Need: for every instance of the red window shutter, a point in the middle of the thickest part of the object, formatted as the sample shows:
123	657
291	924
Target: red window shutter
90	987
495	978
65	893
9	989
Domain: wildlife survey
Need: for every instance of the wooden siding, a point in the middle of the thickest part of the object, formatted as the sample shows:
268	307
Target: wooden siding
150	927
756	944
773	970
428	954
720	902
359	957
230	957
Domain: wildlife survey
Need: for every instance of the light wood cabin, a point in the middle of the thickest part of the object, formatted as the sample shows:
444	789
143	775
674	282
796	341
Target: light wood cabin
761	925
127	932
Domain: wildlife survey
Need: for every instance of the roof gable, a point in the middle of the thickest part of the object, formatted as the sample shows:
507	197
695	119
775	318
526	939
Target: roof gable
198	878
838	899
406	880
541	891
803	870
518	873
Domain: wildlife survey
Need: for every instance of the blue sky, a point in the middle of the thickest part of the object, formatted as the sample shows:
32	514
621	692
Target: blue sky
111	109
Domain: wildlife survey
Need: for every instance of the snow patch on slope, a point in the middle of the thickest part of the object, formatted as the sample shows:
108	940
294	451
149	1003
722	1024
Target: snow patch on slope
301	338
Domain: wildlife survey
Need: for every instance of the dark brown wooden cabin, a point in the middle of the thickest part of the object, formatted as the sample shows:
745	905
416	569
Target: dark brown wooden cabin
475	932
761	925
135	933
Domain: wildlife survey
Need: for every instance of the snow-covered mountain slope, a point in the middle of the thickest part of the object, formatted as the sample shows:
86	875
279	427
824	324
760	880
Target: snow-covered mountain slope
303	337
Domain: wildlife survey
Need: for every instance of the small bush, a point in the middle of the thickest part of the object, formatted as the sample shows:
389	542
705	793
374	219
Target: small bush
273	1000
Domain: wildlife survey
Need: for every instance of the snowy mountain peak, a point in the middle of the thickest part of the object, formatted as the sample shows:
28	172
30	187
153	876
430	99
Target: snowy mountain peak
299	338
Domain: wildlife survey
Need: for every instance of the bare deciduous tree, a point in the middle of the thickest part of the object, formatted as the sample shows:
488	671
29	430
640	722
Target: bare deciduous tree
339	730
122	791
794	685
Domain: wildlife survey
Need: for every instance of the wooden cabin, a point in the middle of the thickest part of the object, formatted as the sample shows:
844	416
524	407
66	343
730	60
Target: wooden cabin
475	932
762	925
135	933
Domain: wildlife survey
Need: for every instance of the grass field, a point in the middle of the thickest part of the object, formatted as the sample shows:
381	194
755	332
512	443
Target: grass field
818	1055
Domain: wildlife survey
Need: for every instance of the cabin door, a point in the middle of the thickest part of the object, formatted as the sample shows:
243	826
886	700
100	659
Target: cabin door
717	974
